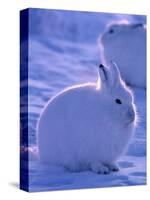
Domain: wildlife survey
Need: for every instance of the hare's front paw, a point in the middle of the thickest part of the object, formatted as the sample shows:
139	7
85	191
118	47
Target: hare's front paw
112	167
100	168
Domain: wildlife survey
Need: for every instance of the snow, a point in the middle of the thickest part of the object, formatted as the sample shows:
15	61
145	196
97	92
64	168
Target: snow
63	54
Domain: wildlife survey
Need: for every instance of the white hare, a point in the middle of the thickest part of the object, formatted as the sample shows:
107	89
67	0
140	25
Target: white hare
88	127
126	44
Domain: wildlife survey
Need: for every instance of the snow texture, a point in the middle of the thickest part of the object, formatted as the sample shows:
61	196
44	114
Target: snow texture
63	52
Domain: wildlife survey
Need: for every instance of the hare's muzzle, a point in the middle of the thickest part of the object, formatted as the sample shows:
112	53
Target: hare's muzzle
131	115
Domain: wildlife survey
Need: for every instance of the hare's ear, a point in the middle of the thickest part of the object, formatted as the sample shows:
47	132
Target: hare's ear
109	76
105	76
115	73
104	73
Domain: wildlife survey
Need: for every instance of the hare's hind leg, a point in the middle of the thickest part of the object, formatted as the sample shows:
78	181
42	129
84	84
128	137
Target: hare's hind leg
99	168
76	167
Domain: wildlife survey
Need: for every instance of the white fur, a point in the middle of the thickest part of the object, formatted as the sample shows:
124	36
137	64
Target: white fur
84	128
126	44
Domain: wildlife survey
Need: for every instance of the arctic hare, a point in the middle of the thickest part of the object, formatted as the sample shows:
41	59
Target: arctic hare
126	44
88	127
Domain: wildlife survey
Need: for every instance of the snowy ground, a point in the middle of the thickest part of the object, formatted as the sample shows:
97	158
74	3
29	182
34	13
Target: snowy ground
62	54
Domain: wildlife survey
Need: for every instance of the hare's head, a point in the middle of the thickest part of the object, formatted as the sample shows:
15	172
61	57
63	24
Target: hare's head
129	37
123	34
117	97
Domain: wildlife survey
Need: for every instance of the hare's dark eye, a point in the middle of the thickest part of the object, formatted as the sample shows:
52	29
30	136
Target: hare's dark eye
111	31
118	101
